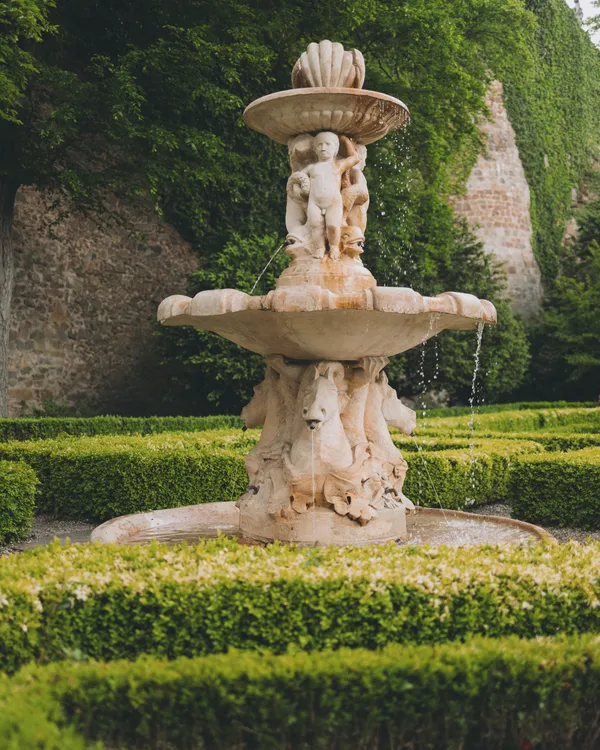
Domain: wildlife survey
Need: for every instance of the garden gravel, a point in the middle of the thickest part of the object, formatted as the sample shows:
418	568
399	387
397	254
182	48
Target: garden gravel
45	529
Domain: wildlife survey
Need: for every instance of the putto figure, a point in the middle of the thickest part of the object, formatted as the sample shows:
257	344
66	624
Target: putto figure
321	183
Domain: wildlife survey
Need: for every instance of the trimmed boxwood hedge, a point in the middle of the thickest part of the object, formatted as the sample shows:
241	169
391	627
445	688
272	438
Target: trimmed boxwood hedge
17	500
457	411
99	478
551	441
463	477
484	694
560	489
102	477
41	428
562	420
109	602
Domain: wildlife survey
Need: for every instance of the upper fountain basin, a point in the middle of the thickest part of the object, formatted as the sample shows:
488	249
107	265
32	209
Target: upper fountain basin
365	116
312	323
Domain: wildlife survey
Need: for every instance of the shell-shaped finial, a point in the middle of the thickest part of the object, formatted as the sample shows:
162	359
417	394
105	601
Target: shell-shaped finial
328	64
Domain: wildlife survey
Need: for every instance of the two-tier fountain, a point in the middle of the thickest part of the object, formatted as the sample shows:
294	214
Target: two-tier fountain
325	470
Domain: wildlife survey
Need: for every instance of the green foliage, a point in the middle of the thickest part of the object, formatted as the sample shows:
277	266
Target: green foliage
24	23
561	489
554	106
99	478
41	428
413	238
17	499
108	602
492	694
567	361
460	478
563	420
456	411
552	441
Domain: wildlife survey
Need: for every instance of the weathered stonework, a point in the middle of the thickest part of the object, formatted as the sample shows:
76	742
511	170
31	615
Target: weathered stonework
497	205
84	303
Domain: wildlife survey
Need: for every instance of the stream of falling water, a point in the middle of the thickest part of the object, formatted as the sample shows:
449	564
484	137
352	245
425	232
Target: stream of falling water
471	423
312	463
457	538
424	383
271	259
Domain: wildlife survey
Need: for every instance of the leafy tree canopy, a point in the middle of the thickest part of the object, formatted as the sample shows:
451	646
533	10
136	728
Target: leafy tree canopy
147	97
567	347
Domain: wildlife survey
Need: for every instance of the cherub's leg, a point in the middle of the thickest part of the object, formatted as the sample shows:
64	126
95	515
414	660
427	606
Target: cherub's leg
333	219
316	223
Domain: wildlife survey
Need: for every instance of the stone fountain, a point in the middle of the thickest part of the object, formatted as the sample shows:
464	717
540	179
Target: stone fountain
325	470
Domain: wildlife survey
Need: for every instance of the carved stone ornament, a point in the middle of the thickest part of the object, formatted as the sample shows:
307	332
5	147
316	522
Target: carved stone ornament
325	444
325	469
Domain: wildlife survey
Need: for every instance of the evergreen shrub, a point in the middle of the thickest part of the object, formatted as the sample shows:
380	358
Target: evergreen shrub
561	420
42	428
551	441
458	411
95	479
17	500
462	477
492	694
98	478
107	602
561	489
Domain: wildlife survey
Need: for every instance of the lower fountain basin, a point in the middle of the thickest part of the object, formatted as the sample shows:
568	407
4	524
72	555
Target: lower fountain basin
426	526
312	323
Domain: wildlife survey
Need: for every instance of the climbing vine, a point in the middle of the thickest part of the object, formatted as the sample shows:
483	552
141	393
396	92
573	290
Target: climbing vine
554	105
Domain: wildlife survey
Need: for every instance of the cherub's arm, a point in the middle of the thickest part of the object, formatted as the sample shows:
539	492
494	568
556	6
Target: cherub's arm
352	159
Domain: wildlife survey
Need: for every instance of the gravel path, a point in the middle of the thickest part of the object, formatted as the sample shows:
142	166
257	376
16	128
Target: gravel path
46	528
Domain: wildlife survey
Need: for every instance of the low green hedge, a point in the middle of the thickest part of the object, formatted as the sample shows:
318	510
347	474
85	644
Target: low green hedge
41	428
458	411
561	489
485	694
562	441
102	477
463	477
562	420
98	478
17	500
112	603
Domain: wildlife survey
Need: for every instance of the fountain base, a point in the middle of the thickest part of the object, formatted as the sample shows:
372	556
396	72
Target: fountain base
320	527
425	526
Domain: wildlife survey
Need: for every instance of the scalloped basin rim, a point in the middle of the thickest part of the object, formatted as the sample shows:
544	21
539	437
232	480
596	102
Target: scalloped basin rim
208	520
309	323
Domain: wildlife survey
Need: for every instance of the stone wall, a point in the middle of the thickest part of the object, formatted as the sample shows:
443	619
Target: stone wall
85	303
497	206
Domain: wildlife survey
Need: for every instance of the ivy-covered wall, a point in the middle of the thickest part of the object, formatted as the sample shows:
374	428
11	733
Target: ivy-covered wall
553	103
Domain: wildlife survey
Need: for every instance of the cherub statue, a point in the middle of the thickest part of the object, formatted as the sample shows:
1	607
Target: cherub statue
321	183
301	154
355	193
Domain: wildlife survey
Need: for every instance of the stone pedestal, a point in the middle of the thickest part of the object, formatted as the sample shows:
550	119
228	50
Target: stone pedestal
325	470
